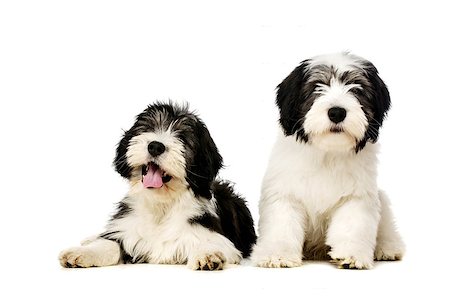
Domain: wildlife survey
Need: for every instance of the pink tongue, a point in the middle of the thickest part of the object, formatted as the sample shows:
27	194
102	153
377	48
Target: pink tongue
153	178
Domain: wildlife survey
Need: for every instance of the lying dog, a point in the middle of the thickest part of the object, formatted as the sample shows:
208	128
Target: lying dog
175	211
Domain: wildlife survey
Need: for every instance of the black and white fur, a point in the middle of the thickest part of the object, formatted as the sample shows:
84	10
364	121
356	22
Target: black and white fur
179	213
319	195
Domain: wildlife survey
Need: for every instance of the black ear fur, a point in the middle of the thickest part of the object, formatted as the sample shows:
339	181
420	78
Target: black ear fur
206	163
381	102
120	161
290	98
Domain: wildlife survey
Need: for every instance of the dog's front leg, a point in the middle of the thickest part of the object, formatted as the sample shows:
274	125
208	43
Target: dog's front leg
281	233
352	233
96	252
209	250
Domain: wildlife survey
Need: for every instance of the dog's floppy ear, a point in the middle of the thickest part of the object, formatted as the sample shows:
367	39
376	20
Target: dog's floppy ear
205	164
380	99
290	98
120	161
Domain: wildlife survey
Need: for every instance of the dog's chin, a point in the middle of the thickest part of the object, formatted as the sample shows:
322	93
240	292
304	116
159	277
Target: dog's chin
334	140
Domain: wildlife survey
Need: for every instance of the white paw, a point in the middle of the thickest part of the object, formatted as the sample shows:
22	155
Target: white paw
276	261
276	256
391	251
212	261
351	262
77	257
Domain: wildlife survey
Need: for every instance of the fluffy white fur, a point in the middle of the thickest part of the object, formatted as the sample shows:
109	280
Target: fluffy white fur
173	160
327	199
93	252
318	126
320	197
341	61
158	230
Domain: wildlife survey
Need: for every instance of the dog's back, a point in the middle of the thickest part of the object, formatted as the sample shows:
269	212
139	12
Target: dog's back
236	220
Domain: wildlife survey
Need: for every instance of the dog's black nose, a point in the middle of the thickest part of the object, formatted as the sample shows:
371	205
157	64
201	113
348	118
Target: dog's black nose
156	148
337	114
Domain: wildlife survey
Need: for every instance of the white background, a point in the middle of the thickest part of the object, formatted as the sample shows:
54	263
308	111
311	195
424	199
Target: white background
73	74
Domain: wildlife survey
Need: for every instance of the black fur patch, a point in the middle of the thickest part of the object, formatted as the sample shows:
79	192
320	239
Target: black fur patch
234	222
376	102
205	162
294	99
123	209
120	161
209	221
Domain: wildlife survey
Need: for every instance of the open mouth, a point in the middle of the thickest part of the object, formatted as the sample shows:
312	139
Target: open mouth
153	176
336	129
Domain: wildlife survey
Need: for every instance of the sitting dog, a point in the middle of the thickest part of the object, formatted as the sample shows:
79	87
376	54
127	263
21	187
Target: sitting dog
320	196
176	211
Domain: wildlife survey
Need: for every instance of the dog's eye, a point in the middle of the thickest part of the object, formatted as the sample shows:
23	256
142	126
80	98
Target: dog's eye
356	91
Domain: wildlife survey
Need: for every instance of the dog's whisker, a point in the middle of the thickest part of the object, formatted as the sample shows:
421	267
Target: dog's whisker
197	175
374	120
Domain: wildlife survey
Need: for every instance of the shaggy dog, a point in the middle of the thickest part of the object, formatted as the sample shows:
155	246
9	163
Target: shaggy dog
176	211
320	196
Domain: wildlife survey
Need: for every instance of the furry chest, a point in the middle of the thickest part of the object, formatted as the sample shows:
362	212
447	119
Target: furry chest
156	242
321	190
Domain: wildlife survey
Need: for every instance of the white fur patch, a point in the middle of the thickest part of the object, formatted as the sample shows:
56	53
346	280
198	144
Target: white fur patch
341	61
314	199
317	124
158	230
92	253
172	160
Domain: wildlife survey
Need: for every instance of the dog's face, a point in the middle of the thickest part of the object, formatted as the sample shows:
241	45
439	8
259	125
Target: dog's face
168	147
335	102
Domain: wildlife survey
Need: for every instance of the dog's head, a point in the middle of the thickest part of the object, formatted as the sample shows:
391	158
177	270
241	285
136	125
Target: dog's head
335	102
168	147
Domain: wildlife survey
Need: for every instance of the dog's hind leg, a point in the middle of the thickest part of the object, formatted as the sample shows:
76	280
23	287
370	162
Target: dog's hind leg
390	246
92	253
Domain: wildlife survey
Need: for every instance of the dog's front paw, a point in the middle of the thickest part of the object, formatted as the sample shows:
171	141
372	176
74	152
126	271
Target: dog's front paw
77	257
212	261
351	262
389	251
276	261
273	256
